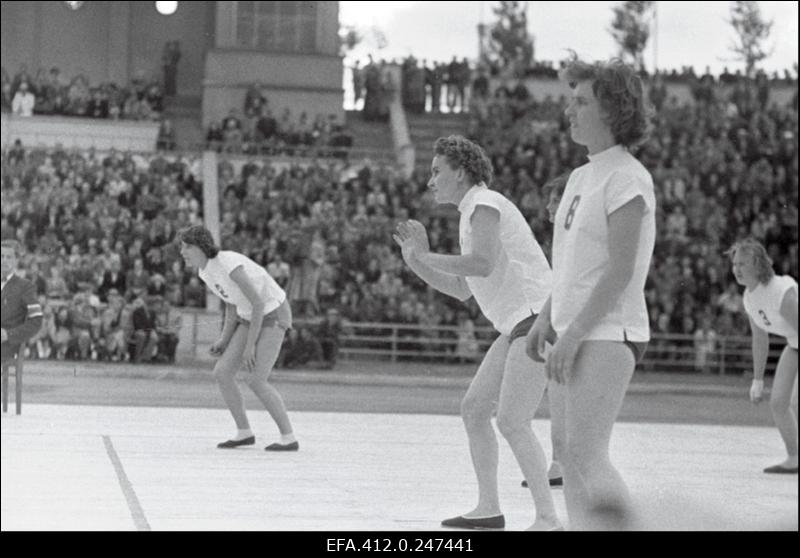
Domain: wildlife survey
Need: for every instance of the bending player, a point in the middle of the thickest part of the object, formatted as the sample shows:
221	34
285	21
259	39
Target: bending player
603	242
771	304
257	315
504	268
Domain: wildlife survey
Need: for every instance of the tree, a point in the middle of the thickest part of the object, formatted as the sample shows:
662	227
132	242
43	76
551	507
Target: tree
631	29
751	30
349	37
510	45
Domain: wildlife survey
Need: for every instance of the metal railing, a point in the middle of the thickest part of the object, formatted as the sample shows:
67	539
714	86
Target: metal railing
665	352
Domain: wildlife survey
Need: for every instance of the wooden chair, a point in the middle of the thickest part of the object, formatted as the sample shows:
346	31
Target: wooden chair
17	362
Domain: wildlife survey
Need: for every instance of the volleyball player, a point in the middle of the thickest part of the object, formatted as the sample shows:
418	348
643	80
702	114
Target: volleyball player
257	315
603	241
553	190
771	304
504	268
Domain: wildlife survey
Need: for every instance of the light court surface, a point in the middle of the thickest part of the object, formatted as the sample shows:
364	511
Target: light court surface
141	468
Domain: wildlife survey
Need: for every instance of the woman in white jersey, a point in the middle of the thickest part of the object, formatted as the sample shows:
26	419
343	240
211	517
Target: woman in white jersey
503	267
257	315
603	241
771	304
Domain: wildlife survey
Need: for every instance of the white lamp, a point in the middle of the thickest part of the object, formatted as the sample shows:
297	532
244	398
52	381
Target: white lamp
166	8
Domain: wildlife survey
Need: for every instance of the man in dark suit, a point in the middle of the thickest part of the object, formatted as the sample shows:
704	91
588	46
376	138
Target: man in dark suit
22	313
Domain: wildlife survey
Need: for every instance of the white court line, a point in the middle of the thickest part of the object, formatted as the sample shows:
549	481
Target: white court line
134	506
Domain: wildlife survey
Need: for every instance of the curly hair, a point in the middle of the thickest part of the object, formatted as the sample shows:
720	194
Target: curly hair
463	153
621	95
761	260
199	236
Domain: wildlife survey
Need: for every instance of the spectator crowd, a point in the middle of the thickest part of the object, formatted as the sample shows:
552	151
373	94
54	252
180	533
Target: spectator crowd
99	229
256	130
51	93
98	232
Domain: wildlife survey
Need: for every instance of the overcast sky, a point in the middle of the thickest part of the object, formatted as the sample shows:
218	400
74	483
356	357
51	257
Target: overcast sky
689	33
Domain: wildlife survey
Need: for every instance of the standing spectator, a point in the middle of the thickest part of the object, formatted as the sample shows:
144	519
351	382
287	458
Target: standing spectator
169	60
480	86
453	76
255	103
358	83
328	336
437	81
22	314
372	86
24	101
166	136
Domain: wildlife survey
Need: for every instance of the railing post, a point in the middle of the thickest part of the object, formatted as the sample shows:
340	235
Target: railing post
194	334
394	343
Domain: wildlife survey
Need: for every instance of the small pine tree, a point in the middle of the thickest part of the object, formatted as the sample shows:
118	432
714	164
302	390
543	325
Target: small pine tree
631	30
752	31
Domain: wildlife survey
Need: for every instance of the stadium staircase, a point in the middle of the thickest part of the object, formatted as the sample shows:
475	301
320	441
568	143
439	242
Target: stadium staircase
427	128
186	114
374	139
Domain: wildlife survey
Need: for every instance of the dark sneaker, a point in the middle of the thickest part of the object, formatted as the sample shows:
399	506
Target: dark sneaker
236	443
781	470
461	522
294	446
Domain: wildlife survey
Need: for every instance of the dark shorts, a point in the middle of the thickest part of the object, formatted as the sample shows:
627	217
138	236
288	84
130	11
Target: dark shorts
522	328
637	347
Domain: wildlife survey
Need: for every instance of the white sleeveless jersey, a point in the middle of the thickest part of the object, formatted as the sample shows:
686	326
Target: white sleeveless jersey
594	191
217	275
521	280
763	305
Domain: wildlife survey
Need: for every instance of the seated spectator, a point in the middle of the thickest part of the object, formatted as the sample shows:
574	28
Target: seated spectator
279	270
83	322
41	343
299	349
194	295
115	326
24	101
168	325
328	333
145	338
138	279
113	278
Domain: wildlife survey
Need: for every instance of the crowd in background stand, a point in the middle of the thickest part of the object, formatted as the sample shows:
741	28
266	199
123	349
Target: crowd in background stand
50	93
98	232
450	86
724	167
257	130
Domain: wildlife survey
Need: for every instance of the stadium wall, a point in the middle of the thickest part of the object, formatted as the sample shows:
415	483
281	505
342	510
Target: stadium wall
107	41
